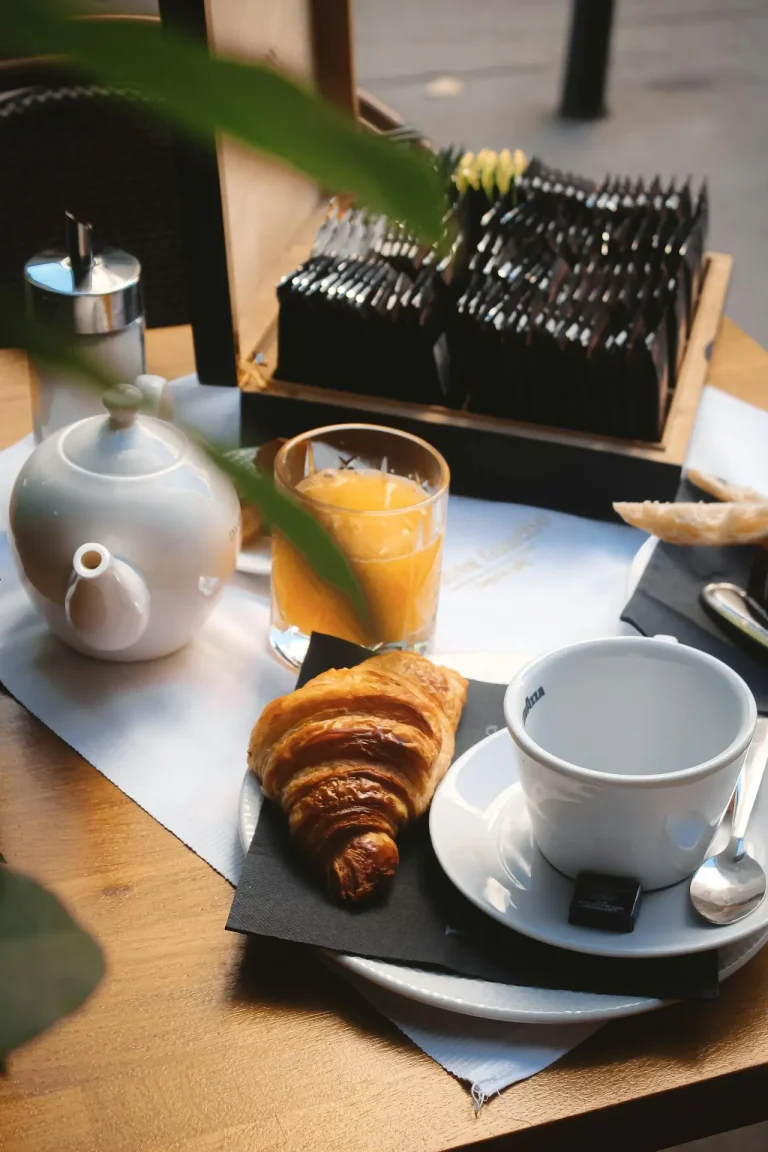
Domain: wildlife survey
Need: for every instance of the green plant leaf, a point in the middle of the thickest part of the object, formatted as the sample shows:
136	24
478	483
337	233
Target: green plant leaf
48	964
250	102
308	536
300	528
49	345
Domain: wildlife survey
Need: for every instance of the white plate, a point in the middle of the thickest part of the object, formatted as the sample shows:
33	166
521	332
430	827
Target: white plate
255	559
482	837
639	563
479	997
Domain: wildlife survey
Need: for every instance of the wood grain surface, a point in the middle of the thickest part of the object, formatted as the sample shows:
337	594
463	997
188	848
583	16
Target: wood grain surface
197	1041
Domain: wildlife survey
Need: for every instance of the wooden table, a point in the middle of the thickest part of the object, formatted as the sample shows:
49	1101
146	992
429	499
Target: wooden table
201	1042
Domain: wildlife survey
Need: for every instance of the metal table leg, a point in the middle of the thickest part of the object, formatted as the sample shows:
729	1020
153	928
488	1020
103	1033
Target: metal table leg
586	70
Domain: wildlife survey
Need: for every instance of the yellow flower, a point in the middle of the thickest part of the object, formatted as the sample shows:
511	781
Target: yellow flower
520	162
461	175
504	171
490	170
486	166
473	173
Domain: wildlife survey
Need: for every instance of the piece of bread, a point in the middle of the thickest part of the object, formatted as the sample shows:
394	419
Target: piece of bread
251	524
723	490
263	459
353	756
709	524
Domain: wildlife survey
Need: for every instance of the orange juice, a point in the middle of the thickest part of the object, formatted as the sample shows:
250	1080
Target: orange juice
392	534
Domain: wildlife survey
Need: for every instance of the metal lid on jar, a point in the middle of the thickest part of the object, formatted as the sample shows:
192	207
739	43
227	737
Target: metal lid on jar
83	292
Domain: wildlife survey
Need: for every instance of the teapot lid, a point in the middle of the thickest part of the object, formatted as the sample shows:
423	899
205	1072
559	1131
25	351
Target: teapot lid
122	443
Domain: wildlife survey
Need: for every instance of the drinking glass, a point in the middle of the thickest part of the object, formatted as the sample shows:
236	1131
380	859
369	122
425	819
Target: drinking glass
383	496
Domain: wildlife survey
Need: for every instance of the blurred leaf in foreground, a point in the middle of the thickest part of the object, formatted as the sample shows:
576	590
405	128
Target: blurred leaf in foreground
299	527
49	345
48	964
308	536
250	102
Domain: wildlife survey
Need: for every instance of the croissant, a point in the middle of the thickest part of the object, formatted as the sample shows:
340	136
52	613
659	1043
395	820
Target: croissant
353	756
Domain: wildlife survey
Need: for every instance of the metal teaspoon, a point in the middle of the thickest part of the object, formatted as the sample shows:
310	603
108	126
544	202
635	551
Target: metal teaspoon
731	885
738	609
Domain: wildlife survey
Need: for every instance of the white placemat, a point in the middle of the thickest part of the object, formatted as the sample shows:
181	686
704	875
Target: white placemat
172	734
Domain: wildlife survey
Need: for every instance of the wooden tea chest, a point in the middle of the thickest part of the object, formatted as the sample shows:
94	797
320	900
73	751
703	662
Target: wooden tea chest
249	221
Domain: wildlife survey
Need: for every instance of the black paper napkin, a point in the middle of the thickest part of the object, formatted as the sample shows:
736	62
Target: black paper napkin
425	921
668	600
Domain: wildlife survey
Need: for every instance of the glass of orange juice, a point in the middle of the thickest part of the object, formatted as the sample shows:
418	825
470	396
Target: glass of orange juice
383	495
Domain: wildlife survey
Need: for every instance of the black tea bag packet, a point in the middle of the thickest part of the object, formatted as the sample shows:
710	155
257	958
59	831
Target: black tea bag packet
424	921
500	329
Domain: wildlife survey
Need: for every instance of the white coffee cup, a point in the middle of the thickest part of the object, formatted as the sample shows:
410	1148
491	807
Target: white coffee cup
630	749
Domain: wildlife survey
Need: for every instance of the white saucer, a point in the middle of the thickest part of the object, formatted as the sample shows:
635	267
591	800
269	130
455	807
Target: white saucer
481	998
482	838
255	559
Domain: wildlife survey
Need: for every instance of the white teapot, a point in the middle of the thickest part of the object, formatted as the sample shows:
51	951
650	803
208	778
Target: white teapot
123	532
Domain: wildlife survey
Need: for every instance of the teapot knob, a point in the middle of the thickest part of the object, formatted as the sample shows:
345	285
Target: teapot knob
123	404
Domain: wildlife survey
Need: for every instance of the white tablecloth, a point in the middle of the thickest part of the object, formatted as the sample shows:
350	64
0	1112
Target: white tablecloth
172	734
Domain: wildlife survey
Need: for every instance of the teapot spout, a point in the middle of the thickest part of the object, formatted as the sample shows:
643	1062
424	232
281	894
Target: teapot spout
107	603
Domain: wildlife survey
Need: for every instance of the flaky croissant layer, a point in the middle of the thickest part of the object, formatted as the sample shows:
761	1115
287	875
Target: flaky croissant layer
353	756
